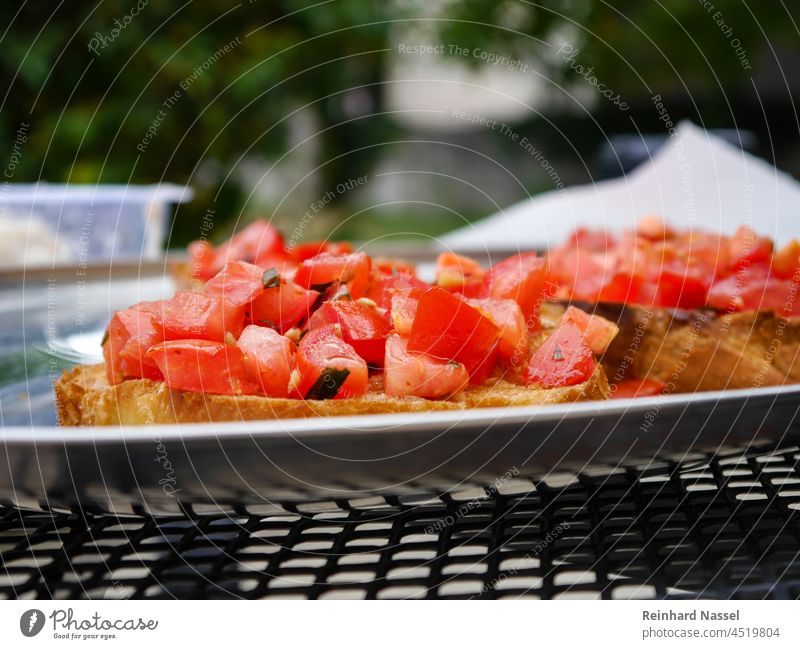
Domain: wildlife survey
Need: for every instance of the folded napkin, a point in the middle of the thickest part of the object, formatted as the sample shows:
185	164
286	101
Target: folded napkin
696	180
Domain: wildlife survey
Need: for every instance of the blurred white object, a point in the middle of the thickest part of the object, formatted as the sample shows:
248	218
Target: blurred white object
53	224
32	241
696	180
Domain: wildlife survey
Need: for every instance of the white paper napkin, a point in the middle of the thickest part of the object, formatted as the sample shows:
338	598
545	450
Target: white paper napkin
696	180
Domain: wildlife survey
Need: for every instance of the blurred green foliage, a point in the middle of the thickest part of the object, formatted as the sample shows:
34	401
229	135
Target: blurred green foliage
90	111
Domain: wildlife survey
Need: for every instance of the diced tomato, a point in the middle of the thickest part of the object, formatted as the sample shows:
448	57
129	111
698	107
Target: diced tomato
381	288
681	289
595	240
284	266
446	327
583	272
269	358
189	315
329	367
520	278
460	274
239	283
361	324
786	261
632	388
620	288
753	289
393	266
507	315
326	268
563	359
131	333
257	239
747	248
597	331
403	308
303	251
485	368
420	375
202	260
283	306
203	366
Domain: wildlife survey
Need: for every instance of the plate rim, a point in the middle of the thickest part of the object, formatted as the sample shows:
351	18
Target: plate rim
371	424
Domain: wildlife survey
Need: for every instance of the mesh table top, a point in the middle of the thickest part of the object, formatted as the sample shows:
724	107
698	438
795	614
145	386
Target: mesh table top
721	527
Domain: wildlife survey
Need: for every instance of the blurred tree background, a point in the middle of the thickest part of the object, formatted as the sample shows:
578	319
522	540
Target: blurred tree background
266	106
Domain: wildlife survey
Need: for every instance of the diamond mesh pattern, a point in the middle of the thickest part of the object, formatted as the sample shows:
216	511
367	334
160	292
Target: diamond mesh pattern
717	528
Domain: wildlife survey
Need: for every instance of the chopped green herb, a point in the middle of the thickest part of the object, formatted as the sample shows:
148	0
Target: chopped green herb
267	323
328	384
270	278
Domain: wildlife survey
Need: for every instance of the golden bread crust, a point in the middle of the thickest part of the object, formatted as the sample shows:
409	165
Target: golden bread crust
85	398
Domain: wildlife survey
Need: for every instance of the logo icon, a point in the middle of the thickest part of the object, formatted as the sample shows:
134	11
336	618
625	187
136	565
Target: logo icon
31	622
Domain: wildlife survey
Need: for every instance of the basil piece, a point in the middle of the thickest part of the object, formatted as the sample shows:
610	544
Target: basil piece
270	278
328	384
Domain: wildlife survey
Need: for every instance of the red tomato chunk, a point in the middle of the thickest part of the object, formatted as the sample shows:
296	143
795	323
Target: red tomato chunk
203	366
597	331
131	333
563	359
328	367
269	358
191	315
281	305
446	327
520	278
420	375
326	268
362	327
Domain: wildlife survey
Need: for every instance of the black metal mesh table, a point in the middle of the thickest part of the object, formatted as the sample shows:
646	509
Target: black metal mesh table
718	527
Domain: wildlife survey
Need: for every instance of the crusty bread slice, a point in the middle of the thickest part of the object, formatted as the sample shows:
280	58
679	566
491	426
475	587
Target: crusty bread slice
85	398
696	350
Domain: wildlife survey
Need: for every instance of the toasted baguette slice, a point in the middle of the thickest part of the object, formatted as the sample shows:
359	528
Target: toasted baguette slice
696	350
85	398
